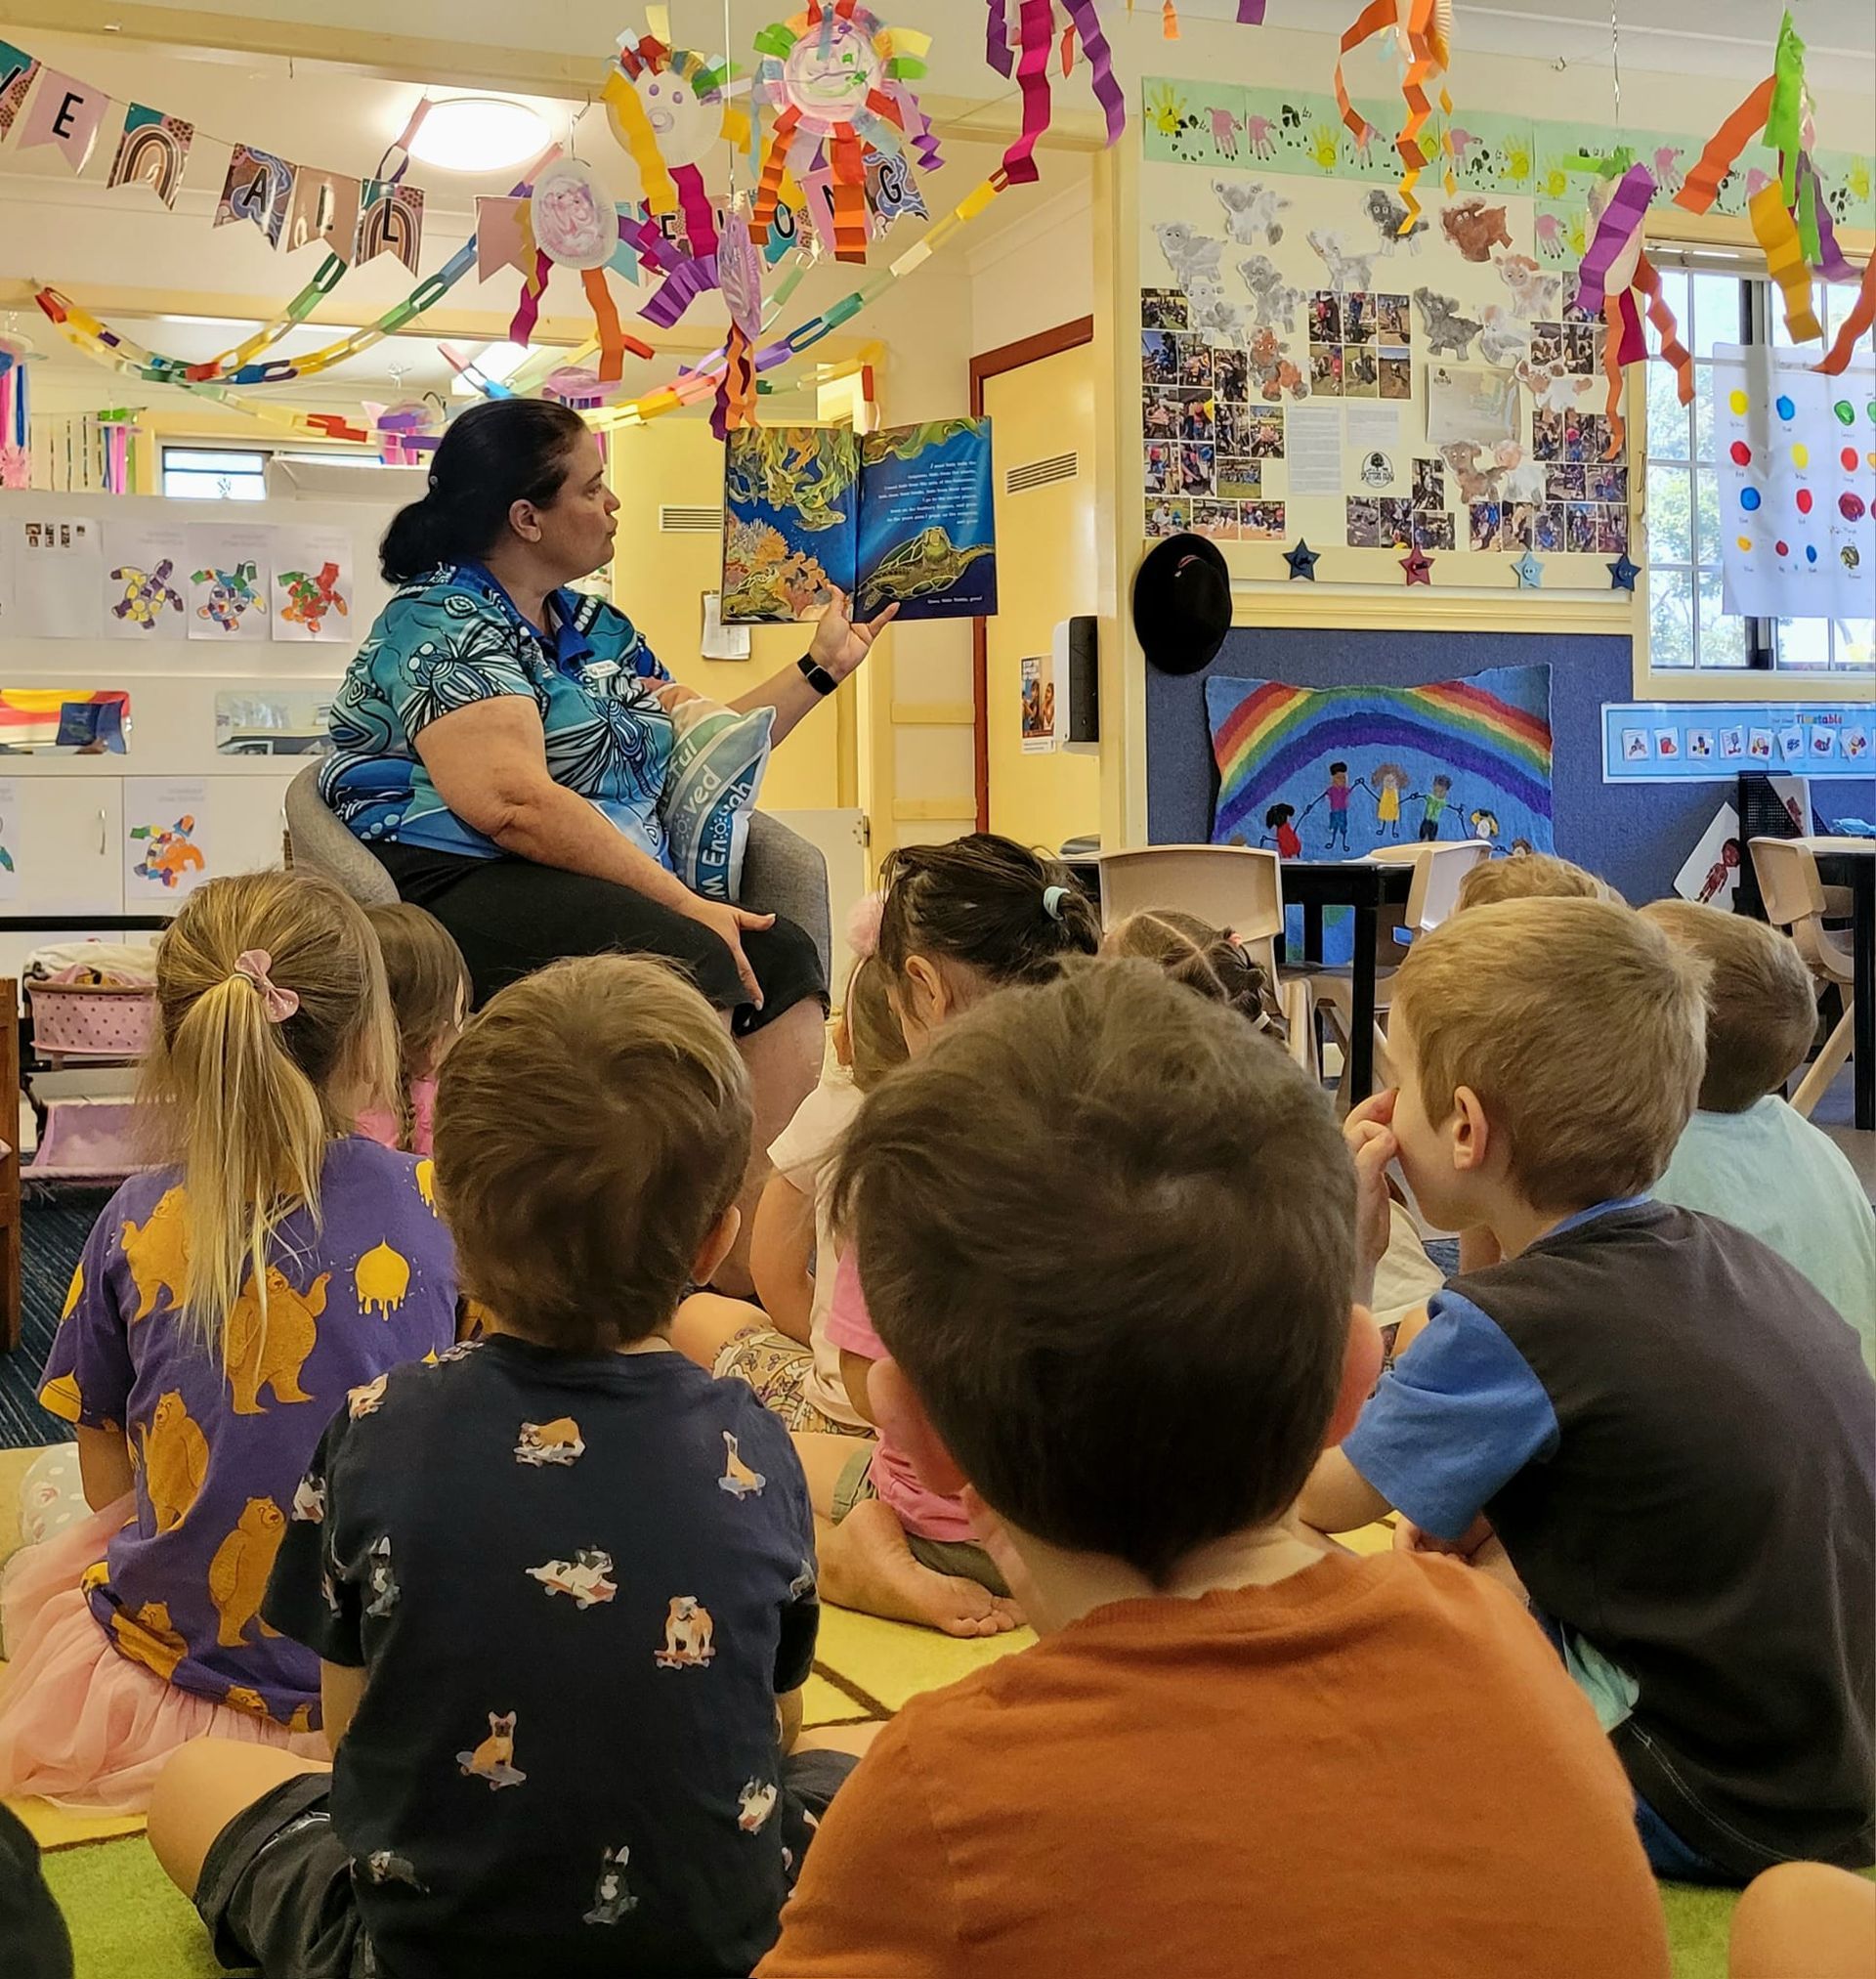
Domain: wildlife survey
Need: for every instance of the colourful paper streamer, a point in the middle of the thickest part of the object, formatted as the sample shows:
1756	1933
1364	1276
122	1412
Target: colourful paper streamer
1100	61
1673	350
1617	230
1855	324
1775	231
1701	187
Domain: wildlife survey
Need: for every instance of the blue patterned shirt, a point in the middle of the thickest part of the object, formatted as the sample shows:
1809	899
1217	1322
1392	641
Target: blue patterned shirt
453	638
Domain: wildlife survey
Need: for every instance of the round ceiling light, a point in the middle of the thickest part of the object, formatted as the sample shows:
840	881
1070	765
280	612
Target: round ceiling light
478	134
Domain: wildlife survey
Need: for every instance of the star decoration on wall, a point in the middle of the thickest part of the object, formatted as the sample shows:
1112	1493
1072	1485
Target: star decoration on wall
1623	573
1303	561
1419	566
1530	572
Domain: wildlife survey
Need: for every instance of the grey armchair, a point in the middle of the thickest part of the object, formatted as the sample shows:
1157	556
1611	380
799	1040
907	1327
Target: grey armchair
782	872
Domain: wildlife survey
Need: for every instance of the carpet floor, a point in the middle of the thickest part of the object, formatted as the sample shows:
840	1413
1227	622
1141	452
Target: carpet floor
52	1237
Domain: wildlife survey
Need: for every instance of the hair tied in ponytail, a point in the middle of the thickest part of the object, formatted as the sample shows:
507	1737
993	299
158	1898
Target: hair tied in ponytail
1053	898
252	965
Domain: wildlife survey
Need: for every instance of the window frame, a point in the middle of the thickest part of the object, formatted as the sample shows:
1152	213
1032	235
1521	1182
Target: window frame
1760	676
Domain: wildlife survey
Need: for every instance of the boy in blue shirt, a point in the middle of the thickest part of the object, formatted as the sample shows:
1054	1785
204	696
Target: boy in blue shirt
1649	1419
562	1583
1746	1156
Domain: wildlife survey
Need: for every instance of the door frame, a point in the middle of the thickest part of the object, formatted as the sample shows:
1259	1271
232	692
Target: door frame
1048	343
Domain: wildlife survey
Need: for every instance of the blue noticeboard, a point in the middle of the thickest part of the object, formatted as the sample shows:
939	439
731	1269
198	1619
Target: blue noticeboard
1662	741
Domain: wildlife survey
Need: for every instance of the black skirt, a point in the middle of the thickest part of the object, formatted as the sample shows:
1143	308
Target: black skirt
511	918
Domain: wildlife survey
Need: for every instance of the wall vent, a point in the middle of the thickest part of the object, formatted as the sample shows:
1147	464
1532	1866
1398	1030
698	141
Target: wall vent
1039	473
679	518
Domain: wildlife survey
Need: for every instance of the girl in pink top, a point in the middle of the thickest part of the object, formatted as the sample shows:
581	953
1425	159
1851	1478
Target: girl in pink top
429	984
960	920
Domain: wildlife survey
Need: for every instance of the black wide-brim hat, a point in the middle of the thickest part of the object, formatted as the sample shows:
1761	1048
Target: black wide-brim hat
1182	603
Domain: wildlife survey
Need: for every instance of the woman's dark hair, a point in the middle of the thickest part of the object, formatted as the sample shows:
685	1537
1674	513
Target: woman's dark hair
493	457
988	903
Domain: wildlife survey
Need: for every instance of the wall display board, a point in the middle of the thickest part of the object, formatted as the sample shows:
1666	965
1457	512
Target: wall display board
1308	370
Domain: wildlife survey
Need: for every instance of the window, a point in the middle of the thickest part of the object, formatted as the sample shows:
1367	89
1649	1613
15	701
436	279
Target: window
200	474
1686	627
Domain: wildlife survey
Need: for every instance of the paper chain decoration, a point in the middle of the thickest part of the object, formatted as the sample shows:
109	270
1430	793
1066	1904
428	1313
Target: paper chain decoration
1789	217
1425	30
837	76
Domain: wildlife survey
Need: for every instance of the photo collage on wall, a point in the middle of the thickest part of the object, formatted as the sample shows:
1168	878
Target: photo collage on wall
1361	345
1419	520
1206	436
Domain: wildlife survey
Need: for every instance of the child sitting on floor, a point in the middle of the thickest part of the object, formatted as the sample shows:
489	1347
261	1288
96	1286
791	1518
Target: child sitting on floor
1112	1254
782	1347
1528	876
562	1585
429	984
1746	1157
1208	960
959	921
1659	1424
222	1310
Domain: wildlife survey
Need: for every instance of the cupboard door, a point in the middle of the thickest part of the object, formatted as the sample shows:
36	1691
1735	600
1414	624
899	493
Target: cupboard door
67	845
246	822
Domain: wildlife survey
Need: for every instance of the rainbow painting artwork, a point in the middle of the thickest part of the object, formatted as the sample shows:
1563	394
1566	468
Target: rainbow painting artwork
1334	772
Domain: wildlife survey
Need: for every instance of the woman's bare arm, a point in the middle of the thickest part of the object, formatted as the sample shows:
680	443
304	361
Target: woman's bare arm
489	762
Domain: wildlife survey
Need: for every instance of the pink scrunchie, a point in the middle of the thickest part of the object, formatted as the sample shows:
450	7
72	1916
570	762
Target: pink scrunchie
863	925
280	1004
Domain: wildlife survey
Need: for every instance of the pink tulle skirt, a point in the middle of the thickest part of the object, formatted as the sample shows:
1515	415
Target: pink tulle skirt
78	1723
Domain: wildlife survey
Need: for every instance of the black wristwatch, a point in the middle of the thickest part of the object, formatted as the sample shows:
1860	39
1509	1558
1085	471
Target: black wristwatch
816	676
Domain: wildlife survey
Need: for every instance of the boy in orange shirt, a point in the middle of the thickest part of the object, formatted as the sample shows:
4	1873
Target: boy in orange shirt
1111	1252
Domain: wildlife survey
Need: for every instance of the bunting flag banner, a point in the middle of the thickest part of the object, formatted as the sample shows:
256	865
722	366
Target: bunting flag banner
152	151
390	220
259	186
66	112
18	70
499	239
323	209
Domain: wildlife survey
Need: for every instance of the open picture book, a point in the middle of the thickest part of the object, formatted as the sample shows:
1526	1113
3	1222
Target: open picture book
901	517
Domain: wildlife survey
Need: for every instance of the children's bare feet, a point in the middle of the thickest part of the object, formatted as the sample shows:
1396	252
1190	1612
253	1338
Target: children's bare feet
867	1565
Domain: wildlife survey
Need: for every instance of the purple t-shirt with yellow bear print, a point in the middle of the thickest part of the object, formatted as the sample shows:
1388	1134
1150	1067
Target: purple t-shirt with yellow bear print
219	1452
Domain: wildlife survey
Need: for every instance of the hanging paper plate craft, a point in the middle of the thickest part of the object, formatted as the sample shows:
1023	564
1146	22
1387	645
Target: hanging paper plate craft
573	217
670	108
836	76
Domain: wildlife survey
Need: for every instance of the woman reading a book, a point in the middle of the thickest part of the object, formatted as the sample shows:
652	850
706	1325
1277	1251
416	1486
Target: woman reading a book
501	743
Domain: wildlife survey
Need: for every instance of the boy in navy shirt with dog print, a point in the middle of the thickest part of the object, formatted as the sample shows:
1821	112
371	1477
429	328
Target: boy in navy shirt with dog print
560	1583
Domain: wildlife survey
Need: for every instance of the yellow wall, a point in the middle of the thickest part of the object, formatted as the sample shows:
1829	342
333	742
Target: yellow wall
659	581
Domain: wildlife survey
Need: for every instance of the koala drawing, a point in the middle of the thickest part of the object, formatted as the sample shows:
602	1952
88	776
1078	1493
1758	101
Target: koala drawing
1388	212
1346	270
1533	292
1187	252
1273	303
1446	329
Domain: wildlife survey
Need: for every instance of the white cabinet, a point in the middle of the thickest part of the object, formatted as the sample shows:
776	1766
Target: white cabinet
70	837
247	820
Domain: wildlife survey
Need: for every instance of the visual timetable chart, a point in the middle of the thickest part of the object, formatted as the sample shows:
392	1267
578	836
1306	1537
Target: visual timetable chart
1649	741
1795	464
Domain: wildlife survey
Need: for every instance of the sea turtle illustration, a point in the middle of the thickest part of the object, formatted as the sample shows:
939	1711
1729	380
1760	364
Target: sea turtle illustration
928	564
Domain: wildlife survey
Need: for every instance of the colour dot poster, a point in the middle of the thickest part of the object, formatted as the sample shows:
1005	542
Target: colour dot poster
312	598
1795	464
229	569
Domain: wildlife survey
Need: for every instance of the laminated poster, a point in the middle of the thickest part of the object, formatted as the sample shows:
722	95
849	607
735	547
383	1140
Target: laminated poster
230	571
1039	705
1712	868
165	839
146	582
902	516
311	590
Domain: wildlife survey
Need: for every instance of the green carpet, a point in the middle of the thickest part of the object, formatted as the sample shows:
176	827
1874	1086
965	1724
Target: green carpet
127	1922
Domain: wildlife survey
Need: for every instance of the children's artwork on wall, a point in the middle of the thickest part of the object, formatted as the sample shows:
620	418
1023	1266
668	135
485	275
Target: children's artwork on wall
51	571
165	839
146	582
1712	870
8	838
1332	773
64	721
1795	461
312	596
229	574
1038	704
1291	333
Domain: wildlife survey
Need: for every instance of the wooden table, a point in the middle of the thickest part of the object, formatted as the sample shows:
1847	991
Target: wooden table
1367	886
1852	863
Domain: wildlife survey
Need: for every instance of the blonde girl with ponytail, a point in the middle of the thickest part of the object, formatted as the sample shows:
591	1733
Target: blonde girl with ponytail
267	1273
